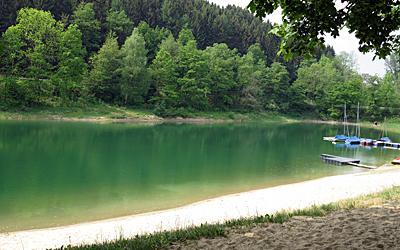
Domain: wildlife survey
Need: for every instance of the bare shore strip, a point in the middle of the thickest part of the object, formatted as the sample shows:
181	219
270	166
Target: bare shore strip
258	202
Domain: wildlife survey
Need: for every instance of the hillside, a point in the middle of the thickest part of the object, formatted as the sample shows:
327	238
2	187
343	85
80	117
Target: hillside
173	57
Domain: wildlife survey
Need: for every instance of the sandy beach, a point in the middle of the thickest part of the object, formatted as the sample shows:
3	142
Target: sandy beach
258	202
362	228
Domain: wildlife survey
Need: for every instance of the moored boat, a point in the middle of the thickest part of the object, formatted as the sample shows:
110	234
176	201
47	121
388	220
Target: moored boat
385	139
396	161
368	142
340	138
353	140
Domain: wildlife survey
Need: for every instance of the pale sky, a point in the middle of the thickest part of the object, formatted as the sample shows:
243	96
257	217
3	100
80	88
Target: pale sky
345	42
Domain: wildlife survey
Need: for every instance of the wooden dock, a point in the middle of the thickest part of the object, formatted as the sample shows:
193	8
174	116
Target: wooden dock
377	143
391	144
343	160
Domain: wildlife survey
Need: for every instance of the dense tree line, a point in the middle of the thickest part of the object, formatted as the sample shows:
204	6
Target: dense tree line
105	53
210	24
328	84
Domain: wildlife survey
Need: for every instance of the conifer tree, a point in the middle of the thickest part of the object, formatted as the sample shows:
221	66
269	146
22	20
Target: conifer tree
84	18
118	22
153	38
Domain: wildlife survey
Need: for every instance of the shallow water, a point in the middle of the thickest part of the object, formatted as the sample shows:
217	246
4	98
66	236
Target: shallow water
58	173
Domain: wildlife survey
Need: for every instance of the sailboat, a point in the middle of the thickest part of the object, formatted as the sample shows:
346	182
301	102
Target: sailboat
340	137
368	142
384	138
355	139
343	137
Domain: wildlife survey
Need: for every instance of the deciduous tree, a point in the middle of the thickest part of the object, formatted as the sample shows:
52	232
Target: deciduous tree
222	64
171	46
193	79
276	85
392	66
164	79
306	22
249	81
40	48
105	75
315	80
72	66
136	77
33	45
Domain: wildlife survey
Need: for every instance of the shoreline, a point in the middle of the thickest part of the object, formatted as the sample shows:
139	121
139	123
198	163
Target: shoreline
156	119
256	202
146	118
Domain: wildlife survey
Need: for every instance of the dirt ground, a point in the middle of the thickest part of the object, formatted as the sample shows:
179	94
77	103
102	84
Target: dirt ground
364	228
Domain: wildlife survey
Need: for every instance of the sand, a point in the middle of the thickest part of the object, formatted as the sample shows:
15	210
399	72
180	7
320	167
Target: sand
331	232
364	228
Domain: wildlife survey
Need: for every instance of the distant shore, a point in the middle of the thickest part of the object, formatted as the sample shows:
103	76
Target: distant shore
258	202
120	115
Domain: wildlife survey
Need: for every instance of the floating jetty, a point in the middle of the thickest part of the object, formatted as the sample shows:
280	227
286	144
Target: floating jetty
388	144
344	161
377	143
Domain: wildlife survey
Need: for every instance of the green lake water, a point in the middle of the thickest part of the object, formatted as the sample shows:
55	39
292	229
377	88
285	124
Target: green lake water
58	173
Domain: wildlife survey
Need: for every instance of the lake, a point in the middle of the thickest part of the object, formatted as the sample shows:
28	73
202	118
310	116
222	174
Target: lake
57	173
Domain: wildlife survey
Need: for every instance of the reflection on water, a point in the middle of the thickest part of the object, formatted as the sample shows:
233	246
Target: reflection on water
57	173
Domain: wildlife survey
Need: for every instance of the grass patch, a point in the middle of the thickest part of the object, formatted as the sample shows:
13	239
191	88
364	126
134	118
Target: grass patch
89	112
390	126
109	112
159	240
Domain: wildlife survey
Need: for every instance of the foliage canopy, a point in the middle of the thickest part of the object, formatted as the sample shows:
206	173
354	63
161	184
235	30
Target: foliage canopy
305	22
174	70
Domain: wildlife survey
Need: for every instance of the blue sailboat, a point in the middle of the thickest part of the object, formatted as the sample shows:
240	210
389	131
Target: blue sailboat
353	140
340	138
368	142
384	138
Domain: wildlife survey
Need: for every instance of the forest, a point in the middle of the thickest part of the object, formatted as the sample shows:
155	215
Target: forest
174	57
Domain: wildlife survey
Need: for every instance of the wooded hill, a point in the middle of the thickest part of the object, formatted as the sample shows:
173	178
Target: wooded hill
234	26
172	55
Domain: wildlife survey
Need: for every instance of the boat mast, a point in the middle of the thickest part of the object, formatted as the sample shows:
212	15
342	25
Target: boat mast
358	121
383	131
344	119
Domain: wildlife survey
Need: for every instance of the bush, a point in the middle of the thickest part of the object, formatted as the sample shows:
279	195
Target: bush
162	110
